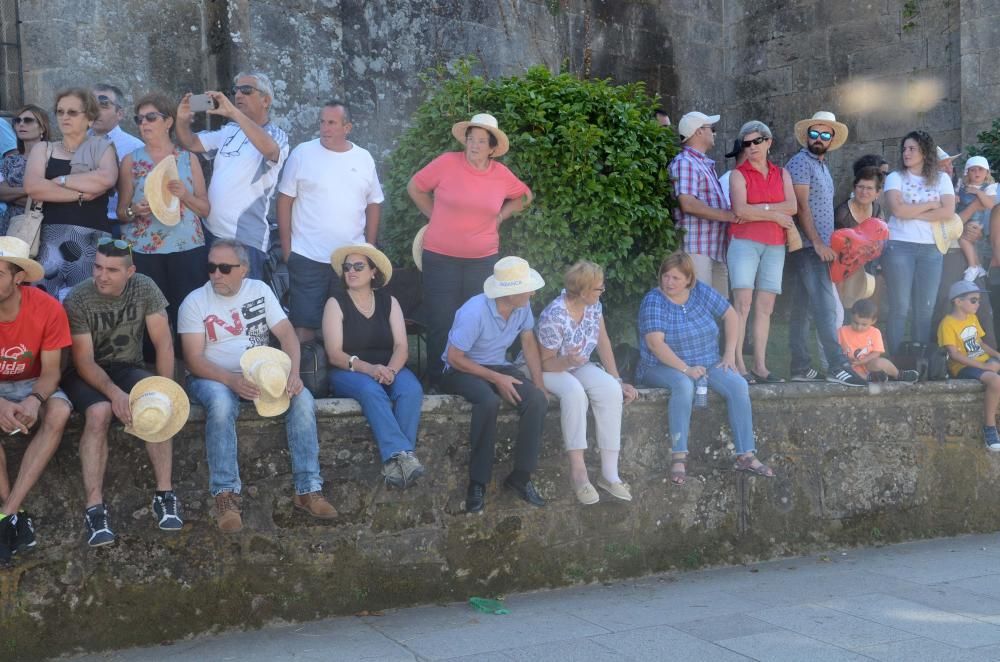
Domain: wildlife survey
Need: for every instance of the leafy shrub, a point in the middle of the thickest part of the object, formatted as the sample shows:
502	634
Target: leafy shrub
591	153
989	146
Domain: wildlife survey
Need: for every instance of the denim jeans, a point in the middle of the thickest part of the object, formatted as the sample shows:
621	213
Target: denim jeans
912	275
727	383
393	411
222	406
812	294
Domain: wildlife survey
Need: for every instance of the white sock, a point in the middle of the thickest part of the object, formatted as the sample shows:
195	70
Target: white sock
609	466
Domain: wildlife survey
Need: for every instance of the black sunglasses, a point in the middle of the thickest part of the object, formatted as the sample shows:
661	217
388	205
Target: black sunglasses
245	90
825	136
756	141
148	117
23	120
106	102
357	266
226	269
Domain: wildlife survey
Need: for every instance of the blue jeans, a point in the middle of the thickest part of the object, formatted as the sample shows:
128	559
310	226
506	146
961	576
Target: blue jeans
812	294
393	411
727	383
222	406
912	276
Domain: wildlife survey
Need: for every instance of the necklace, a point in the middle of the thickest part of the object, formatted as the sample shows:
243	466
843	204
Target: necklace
366	311
65	148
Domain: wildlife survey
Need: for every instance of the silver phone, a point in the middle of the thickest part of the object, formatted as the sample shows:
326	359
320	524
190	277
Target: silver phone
201	103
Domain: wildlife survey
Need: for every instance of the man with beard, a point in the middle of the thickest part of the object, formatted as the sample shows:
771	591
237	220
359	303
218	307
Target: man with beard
812	289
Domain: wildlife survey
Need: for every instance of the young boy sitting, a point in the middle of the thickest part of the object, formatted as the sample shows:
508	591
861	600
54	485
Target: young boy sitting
968	357
862	345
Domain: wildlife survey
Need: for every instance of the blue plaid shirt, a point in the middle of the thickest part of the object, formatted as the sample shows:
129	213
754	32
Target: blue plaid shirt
691	330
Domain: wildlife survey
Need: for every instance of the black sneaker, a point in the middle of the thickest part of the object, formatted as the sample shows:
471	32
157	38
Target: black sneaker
6	540
24	533
847	377
908	376
809	375
166	509
877	377
99	531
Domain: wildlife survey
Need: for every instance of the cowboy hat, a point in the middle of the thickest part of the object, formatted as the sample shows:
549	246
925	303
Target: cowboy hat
418	248
268	368
166	206
159	407
483	121
948	231
512	275
859	285
840	130
15	251
375	255
945	156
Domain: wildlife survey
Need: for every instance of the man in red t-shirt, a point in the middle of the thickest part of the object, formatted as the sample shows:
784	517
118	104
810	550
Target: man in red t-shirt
33	332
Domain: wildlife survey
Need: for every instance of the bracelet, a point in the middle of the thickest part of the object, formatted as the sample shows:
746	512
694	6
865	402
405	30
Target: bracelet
393	370
79	199
685	370
34	394
350	363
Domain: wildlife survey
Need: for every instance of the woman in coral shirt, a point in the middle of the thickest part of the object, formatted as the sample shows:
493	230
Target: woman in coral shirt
466	195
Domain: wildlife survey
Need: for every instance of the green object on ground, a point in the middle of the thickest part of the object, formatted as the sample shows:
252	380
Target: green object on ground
488	606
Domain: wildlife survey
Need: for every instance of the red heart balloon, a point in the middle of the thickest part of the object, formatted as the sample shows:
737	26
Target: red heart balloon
856	246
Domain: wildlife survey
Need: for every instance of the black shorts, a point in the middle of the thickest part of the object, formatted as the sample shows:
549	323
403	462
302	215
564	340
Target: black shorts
83	395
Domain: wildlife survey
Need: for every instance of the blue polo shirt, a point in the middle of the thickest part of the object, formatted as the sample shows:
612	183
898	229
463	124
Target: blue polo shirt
483	334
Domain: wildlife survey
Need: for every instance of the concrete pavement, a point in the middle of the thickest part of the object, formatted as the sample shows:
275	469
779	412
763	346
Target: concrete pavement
929	600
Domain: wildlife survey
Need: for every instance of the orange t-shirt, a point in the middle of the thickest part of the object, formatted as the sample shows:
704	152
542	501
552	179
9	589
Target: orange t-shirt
857	345
40	325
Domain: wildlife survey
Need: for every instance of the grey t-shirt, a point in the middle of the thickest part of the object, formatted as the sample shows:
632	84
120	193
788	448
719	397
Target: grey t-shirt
807	169
116	324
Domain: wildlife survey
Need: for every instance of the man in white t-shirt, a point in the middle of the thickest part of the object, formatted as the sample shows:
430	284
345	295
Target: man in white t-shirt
111	100
217	323
247	154
329	197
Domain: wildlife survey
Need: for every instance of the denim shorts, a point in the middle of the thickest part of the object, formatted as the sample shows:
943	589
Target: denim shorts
16	391
968	372
309	285
755	266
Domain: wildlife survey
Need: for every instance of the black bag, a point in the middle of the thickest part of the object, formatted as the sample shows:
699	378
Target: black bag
627	360
930	361
312	368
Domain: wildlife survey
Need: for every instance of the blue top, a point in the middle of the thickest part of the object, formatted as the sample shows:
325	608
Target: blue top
146	233
807	169
483	334
690	330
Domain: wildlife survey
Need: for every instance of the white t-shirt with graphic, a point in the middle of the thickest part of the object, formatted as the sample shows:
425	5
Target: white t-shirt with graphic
915	190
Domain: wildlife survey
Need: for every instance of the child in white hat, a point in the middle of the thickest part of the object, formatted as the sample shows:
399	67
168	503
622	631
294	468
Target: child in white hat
977	192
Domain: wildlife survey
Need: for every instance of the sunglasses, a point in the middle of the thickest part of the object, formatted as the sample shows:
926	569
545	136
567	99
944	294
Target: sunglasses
120	244
756	141
106	101
825	136
226	269
148	117
245	90
357	266
70	113
23	120
710	128
973	299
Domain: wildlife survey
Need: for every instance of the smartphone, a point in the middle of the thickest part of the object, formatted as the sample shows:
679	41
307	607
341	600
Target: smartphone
202	102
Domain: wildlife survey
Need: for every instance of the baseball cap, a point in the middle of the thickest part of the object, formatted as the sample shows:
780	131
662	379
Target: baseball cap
963	287
693	121
977	161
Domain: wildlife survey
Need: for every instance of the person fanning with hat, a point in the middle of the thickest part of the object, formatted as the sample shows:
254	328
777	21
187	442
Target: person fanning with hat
466	195
218	323
365	339
919	198
33	332
161	201
109	316
476	368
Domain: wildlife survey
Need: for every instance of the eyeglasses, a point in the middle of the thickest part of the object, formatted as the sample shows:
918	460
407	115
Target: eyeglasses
23	120
226	269
825	136
71	113
756	141
357	266
245	90
106	102
973	299
710	127
148	117
120	244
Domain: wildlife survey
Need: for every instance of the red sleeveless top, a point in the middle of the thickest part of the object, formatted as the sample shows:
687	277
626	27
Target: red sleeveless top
761	190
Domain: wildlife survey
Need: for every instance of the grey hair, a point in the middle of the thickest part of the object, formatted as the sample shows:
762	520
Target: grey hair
755	126
238	247
263	82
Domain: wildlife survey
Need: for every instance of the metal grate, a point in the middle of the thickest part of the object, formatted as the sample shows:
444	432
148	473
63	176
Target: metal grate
11	87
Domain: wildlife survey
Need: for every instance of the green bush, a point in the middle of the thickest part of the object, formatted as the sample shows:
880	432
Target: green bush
592	155
989	146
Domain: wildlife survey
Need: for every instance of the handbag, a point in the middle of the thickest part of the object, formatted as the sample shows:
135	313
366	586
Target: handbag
930	361
313	368
28	226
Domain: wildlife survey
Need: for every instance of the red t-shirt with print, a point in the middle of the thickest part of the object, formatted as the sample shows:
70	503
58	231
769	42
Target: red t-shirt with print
40	325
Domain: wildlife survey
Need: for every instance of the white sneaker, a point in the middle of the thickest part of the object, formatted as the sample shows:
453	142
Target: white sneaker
974	272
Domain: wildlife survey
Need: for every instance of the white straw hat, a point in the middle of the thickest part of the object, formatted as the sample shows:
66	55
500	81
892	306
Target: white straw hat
166	206
487	122
840	130
382	263
159	407
15	251
512	275
268	369
418	248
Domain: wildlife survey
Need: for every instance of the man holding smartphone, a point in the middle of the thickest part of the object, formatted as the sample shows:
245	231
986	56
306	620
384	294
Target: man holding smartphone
247	154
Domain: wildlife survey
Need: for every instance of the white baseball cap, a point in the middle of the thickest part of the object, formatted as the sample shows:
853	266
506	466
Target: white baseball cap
693	121
977	161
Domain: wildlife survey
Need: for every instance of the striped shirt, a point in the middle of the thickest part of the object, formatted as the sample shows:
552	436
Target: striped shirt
693	174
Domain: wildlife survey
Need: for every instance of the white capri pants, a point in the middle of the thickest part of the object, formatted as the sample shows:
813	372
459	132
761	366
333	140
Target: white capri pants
588	385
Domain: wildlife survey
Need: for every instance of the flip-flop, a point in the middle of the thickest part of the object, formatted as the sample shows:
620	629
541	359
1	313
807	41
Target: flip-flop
750	378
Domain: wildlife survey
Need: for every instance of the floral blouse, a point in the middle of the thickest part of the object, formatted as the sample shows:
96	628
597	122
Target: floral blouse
557	330
146	233
12	173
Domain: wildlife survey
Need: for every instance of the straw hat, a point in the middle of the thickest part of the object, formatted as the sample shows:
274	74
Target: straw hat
166	206
944	156
840	130
418	248
948	231
512	275
159	407
15	251
483	121
859	285
382	263
268	368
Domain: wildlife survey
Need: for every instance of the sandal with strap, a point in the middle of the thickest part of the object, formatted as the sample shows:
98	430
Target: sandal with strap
678	476
746	463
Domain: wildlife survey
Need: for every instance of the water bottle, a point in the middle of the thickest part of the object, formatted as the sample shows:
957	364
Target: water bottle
701	392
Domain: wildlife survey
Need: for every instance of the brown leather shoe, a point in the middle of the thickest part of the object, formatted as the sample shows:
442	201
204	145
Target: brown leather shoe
227	512
316	505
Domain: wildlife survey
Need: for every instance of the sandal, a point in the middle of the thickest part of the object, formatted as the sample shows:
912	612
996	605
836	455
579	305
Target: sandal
769	378
746	463
750	378
678	476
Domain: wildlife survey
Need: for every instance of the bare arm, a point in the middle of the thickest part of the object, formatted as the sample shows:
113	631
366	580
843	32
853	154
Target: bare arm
187	138
197	201
400	344
96	377
422	199
96	182
504	383
607	356
126	189
961	358
10	193
529	346
661	350
373	215
695	207
35	183
731	324
158	328
943	212
780	213
254	132
283	207
805	214
512	206
903	211
969	210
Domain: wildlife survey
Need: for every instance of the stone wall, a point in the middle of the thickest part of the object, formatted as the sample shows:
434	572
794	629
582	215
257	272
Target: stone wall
853	468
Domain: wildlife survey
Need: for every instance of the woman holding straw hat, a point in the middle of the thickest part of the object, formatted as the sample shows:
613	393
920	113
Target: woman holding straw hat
161	201
365	338
466	195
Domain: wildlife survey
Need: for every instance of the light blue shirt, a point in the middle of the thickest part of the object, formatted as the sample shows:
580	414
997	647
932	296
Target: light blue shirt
125	144
483	334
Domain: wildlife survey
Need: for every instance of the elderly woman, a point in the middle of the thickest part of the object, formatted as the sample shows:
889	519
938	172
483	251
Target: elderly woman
365	339
170	251
466	195
72	177
31	125
569	330
679	329
763	198
863	203
917	198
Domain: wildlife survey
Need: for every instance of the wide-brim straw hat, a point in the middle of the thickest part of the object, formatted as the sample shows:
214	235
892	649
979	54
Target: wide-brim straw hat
418	248
487	122
166	206
859	285
268	369
159	407
15	251
947	232
512	275
840	129
382	263
944	156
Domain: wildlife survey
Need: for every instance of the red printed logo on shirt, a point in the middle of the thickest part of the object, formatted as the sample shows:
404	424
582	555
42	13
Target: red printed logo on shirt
213	321
15	360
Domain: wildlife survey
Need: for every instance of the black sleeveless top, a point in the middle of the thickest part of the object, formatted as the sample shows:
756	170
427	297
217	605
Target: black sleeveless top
370	339
91	214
